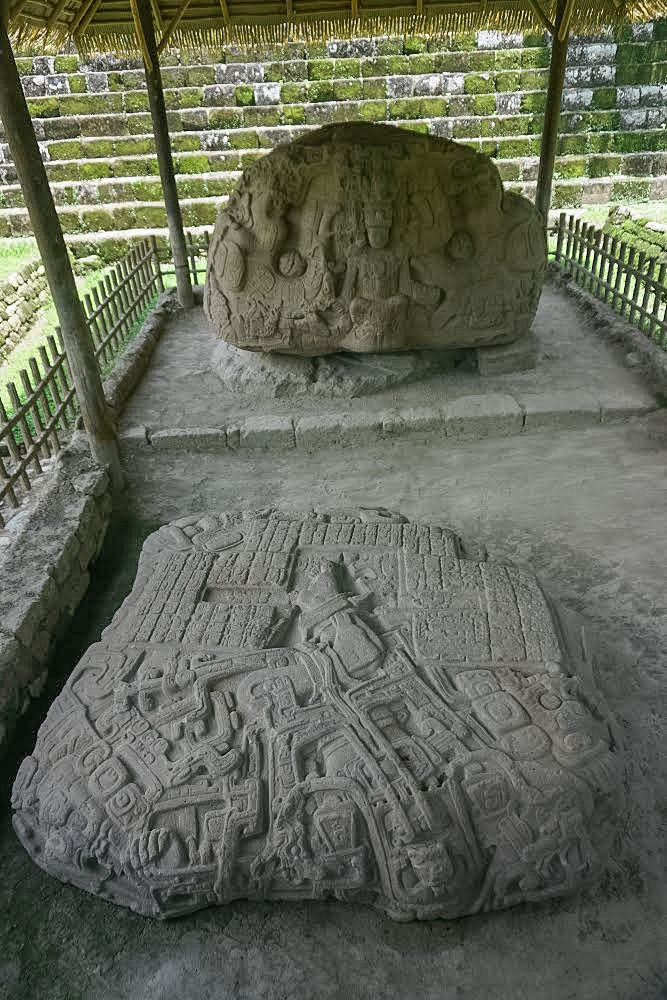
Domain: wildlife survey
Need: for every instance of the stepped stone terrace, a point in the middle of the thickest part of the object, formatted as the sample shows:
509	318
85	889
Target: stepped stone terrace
226	109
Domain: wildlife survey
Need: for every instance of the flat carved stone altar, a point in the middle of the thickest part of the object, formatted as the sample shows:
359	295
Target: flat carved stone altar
368	238
344	705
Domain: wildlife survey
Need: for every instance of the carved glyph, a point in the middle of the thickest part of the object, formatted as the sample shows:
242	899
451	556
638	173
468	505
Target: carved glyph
369	238
324	705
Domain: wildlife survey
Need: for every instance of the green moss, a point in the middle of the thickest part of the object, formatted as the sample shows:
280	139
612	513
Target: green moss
173	76
534	58
389	46
95	169
348	90
77	83
244	95
601	142
404	108
320	90
24	65
293	93
531	40
451	62
273	72
316	50
185	143
398	65
137	147
533	79
476	84
631	190
138	101
141	123
566	196
92	104
465	42
423	63
604	98
199	76
372	111
533	103
43	107
263	115
413	44
226	118
68	149
514	125
508	59
507	82
66	64
482	61
570	168
65	171
374	67
95	220
321	69
660	30
295	70
484	104
433	107
243	140
115	81
511	148
465	128
603	166
146	190
198	164
374	88
421	127
293	114
347	67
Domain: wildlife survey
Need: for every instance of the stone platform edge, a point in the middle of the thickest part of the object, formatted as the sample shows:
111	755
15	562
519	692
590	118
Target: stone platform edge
44	573
472	417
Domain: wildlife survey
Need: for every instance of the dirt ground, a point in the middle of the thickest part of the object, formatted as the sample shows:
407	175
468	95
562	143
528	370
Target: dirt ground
583	506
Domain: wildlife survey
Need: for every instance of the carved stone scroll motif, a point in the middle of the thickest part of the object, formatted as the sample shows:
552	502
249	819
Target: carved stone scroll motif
369	238
336	705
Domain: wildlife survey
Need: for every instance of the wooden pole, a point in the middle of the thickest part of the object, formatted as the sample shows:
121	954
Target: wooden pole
145	29
77	340
552	110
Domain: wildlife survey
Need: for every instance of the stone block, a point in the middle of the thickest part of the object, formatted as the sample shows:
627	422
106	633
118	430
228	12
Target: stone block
559	408
379	719
190	438
494	414
324	430
267	433
517	357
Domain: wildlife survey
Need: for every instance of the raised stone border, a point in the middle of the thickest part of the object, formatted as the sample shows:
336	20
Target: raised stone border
44	572
48	546
133	362
642	353
488	415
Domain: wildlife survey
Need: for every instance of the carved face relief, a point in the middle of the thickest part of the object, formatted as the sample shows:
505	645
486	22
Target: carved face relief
352	187
323	705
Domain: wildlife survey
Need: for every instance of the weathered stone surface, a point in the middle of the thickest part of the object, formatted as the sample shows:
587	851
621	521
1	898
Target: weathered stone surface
369	238
326	705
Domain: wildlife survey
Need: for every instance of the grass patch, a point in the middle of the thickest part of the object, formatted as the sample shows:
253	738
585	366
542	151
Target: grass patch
14	254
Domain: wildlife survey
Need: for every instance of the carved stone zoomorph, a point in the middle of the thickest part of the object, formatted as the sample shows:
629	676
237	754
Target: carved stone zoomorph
343	705
369	238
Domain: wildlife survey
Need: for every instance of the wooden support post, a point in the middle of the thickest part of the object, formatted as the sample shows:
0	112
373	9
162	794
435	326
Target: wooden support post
51	243
552	110
145	29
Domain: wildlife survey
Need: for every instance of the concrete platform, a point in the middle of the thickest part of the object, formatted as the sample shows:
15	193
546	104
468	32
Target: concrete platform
579	500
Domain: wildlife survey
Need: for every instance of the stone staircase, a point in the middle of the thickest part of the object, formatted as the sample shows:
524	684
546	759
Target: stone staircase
225	110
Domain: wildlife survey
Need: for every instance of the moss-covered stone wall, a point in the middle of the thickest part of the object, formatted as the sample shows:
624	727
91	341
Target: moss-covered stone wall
227	108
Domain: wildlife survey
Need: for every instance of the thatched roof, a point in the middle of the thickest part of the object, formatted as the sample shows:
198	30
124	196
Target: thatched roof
108	24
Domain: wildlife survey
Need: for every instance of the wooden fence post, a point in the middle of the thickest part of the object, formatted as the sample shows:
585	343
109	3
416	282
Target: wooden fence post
46	227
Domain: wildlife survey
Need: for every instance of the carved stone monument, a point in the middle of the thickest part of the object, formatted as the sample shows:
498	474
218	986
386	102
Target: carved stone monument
369	238
324	705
